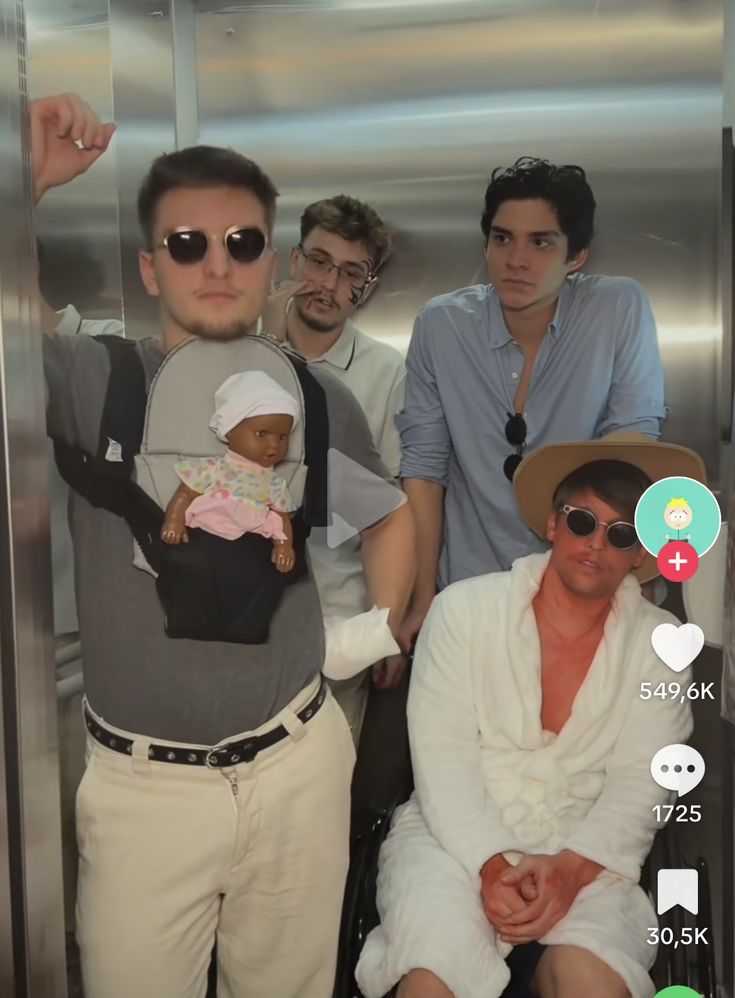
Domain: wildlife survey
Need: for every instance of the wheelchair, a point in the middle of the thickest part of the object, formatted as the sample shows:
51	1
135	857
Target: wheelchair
373	809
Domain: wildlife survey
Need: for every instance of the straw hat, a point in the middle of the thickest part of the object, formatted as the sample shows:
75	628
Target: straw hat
539	475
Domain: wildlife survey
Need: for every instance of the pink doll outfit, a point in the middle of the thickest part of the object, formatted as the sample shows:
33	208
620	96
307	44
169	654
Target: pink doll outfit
237	496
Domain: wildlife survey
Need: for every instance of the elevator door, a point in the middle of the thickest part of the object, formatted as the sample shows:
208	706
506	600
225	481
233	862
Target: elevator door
31	919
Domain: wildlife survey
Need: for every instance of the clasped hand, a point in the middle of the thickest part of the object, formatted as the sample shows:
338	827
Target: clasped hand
524	902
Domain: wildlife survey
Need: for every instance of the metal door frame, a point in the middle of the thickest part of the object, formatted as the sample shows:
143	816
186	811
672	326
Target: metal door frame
32	961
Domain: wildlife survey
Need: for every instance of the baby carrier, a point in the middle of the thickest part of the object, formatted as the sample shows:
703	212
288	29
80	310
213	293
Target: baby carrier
211	589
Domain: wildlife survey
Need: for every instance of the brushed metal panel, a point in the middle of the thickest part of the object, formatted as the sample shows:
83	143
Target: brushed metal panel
184	52
8	970
143	84
69	48
410	105
26	664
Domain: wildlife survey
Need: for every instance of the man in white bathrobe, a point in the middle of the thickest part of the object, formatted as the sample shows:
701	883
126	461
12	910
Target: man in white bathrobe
531	747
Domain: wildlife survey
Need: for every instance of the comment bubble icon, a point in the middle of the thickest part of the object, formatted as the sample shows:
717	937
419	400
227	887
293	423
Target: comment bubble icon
678	767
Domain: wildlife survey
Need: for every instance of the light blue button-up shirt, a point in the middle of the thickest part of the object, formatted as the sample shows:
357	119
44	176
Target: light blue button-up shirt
598	371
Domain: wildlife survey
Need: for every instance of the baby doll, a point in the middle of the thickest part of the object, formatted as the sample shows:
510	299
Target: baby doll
239	492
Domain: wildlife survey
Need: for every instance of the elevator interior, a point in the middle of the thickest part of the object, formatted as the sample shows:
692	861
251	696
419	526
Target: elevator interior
408	105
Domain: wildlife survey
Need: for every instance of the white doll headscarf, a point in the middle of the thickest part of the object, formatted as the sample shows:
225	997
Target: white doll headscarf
250	393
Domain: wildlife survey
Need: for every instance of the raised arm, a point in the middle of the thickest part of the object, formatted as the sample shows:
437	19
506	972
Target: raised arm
57	124
67	137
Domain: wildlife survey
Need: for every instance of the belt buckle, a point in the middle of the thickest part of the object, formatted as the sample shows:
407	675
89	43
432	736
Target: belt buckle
210	759
245	752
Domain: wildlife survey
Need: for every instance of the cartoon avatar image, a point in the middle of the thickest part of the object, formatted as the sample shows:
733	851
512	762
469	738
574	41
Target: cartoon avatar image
678	516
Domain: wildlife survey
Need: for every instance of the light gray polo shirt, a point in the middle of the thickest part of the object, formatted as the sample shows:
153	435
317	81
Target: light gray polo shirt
375	373
136	677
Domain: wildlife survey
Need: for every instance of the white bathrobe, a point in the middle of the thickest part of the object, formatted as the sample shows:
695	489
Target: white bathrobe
490	780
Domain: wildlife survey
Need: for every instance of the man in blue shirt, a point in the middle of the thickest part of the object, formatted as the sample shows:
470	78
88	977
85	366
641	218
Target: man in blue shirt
541	354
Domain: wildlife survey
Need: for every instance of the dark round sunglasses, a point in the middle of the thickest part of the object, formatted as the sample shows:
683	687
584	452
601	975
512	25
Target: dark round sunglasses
583	523
186	246
515	434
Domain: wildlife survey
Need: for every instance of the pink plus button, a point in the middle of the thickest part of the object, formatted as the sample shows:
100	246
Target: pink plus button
677	561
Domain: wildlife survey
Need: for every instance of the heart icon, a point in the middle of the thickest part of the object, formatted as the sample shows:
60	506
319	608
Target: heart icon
677	647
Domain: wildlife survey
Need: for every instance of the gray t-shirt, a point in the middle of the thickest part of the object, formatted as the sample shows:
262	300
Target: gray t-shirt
137	678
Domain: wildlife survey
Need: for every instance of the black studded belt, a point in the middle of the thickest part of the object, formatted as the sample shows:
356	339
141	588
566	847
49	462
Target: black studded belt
218	757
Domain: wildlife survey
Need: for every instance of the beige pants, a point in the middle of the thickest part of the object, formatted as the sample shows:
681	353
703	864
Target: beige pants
172	857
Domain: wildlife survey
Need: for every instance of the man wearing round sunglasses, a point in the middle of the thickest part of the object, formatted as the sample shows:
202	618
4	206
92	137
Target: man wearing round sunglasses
542	353
514	868
333	271
173	853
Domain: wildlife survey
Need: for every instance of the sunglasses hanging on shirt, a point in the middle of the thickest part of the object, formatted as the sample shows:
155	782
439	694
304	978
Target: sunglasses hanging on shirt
188	246
515	433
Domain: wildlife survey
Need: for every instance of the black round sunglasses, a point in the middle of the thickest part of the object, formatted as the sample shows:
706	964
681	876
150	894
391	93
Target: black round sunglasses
583	523
187	246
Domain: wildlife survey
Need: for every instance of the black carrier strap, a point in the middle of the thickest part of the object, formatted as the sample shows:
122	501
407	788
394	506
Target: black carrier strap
123	416
315	506
103	478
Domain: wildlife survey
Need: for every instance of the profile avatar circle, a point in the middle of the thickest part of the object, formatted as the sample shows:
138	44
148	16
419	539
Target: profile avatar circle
677	521
677	991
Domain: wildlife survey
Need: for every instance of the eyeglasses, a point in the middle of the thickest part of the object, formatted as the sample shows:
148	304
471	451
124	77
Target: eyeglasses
187	246
323	265
515	433
584	523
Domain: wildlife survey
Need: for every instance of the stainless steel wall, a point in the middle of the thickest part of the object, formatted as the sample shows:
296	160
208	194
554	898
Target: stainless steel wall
410	104
69	50
31	914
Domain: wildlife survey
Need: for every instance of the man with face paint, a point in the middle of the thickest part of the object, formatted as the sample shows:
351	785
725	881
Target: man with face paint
333	270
